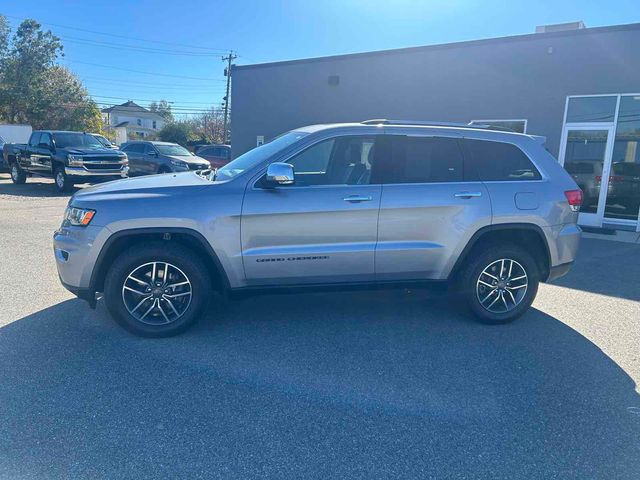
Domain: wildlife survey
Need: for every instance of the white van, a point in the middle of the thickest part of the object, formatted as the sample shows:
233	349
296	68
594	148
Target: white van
14	133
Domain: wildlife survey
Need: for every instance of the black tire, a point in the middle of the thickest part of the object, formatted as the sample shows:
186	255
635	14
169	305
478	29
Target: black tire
61	179
474	292
182	261
18	176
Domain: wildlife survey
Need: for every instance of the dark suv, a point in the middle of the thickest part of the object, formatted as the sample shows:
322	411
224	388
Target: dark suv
148	158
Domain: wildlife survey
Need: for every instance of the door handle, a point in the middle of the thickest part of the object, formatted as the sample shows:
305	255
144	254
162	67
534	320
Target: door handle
357	198
467	194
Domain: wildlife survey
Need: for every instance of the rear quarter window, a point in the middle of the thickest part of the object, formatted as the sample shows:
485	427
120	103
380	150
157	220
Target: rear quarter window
499	161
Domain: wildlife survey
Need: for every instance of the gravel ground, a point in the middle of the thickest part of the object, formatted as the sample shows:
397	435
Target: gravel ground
394	384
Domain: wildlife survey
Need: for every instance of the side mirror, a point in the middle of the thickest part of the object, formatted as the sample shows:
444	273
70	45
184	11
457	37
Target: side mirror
280	174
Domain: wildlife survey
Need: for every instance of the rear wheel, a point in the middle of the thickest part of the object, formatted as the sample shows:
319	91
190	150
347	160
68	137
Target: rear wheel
156	290
500	283
63	182
18	176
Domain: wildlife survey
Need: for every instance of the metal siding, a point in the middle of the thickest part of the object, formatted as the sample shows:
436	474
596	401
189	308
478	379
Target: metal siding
516	78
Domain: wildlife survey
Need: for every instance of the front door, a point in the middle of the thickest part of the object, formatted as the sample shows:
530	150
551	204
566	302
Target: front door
586	155
321	229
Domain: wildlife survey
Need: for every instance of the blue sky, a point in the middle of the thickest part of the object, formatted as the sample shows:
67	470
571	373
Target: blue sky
180	43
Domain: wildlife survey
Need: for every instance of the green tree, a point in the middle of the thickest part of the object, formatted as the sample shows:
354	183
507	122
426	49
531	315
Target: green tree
162	108
66	104
176	132
27	59
34	90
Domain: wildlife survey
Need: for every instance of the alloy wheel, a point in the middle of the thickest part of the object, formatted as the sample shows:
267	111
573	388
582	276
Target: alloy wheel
157	293
60	180
15	173
502	286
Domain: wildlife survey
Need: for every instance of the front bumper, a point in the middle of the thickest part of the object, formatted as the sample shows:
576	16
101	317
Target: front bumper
76	250
112	174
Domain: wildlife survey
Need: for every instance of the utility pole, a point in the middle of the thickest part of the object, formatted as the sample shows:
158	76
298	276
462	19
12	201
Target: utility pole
227	73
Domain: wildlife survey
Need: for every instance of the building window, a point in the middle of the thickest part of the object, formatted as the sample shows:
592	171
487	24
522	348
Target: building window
154	124
518	125
139	122
591	109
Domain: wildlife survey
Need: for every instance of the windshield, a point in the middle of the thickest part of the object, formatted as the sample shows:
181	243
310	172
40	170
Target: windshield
175	150
76	140
257	155
102	140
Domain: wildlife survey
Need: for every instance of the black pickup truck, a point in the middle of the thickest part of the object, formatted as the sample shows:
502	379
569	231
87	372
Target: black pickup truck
68	158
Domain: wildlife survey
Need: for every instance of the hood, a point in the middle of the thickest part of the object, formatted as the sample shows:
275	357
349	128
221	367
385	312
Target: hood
139	187
91	151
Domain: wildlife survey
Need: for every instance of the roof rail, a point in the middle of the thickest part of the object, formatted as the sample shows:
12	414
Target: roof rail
384	121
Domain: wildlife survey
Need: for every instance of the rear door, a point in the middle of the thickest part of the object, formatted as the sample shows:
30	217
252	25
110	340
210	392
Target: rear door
150	160
134	153
430	207
323	228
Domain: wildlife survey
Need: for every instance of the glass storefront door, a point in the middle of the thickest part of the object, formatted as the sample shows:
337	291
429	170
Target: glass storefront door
623	193
600	150
586	151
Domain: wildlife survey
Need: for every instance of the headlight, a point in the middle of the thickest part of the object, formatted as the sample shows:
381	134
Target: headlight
178	163
79	217
124	160
75	160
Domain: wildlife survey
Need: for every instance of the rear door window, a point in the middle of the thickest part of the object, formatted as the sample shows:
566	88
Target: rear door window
134	148
425	160
493	161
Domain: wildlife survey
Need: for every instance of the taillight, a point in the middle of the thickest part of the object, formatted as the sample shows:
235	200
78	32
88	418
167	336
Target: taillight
616	178
574	197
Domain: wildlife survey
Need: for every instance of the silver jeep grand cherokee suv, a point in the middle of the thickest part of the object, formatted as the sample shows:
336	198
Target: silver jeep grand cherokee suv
375	203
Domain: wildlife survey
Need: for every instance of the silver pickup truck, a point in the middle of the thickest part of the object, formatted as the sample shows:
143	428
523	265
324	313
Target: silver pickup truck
378	203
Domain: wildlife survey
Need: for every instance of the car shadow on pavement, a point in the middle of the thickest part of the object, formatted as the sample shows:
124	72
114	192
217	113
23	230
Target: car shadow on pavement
34	187
605	267
349	385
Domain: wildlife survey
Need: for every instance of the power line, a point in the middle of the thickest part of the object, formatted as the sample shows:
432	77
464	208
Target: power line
107	80
143	99
143	72
121	46
122	36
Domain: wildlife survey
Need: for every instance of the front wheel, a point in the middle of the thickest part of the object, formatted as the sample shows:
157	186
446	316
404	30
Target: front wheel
63	182
156	290
18	176
500	283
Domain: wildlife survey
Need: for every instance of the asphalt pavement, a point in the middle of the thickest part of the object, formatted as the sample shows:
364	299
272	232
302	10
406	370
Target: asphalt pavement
391	384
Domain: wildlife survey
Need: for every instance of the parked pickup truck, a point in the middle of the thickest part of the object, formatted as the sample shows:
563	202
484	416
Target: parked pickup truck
68	158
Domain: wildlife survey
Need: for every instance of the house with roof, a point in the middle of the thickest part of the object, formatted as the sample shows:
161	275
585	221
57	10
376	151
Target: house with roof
130	120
